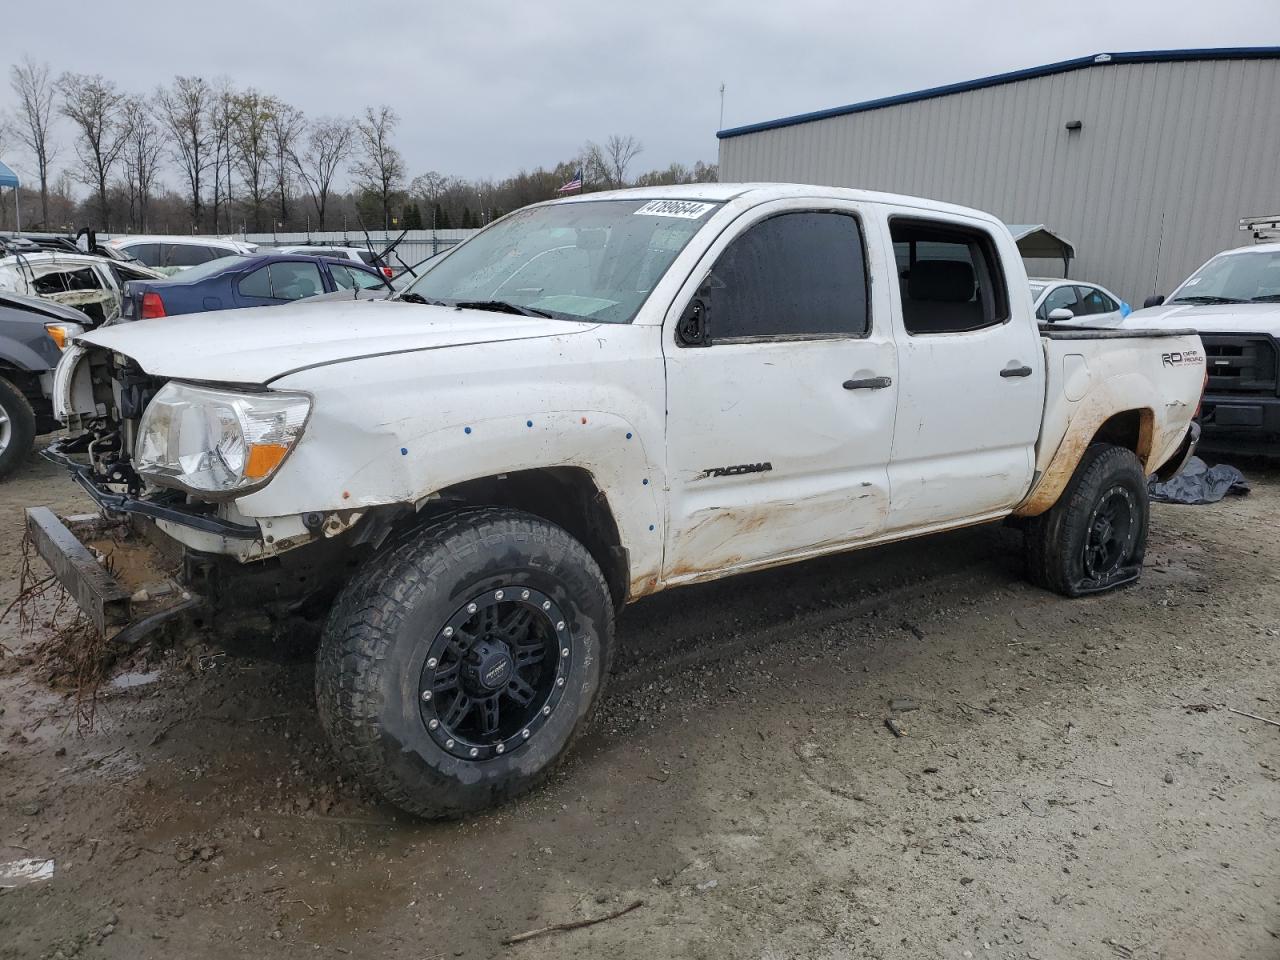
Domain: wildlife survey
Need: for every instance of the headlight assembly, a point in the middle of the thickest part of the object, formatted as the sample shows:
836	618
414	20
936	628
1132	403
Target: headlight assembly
217	441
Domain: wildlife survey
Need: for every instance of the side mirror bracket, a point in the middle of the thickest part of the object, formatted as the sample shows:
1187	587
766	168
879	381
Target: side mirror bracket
692	330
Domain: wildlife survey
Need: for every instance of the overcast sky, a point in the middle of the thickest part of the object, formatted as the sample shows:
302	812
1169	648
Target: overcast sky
487	88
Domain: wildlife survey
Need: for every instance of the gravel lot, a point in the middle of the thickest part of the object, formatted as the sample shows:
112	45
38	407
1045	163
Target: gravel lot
1068	786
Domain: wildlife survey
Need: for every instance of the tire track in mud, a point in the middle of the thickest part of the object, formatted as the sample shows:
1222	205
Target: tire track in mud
704	649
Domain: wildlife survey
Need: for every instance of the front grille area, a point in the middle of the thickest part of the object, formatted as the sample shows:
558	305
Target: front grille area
1241	364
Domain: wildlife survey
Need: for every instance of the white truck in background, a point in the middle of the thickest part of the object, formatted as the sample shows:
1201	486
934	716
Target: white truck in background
1233	302
589	401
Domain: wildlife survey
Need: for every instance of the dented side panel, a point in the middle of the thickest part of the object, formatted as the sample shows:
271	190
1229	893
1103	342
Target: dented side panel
1090	381
396	429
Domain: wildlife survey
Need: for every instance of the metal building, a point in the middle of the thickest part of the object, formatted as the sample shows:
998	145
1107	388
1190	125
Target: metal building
1145	161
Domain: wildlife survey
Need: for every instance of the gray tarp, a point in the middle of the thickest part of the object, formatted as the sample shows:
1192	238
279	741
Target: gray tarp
1200	483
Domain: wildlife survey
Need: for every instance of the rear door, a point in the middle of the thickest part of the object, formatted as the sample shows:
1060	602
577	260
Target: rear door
281	281
971	373
780	419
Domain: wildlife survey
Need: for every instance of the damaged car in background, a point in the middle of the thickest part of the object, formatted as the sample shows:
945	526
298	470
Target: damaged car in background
590	401
92	284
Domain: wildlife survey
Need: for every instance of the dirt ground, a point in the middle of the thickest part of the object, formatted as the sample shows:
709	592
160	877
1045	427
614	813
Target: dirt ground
1070	785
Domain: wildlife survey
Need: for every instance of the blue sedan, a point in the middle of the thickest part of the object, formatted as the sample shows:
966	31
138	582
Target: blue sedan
259	280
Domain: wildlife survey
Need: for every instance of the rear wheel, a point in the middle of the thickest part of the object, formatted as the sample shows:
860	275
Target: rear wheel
459	667
1094	538
17	427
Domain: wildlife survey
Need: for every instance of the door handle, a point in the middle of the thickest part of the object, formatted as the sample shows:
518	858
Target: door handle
868	383
1016	372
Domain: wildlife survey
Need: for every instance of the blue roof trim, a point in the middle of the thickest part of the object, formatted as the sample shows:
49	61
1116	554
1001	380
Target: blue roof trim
1029	73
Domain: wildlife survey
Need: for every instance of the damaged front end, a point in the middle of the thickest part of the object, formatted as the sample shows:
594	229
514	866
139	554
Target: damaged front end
160	551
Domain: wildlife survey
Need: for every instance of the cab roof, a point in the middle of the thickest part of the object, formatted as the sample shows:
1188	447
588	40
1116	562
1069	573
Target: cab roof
763	192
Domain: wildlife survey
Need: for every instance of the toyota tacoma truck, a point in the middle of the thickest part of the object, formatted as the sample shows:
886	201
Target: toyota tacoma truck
1233	302
590	401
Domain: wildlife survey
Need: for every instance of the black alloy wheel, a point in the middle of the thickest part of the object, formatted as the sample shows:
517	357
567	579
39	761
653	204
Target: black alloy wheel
495	672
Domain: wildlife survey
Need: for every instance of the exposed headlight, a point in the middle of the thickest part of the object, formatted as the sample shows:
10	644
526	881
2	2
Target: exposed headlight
217	441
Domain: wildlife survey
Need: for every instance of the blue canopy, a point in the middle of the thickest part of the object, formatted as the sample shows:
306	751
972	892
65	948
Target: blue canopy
7	177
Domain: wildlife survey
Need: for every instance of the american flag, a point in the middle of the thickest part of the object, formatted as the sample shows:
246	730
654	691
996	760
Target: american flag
574	184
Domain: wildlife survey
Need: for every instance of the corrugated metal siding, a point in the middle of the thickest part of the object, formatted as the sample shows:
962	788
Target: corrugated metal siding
1170	157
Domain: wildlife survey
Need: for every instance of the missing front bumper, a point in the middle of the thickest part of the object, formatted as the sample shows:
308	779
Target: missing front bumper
125	605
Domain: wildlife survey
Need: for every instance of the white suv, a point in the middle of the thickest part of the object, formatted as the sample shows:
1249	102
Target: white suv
358	254
173	254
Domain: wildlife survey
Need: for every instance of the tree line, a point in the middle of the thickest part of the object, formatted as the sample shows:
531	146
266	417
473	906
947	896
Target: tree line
241	159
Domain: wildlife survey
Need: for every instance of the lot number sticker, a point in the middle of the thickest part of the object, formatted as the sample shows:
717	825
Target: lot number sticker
684	209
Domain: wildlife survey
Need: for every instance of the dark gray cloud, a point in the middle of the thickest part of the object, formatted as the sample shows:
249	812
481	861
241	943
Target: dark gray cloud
486	88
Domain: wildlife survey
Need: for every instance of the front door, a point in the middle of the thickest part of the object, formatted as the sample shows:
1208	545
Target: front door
780	416
971	375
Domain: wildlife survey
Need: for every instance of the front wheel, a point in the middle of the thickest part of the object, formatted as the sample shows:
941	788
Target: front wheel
457	669
1094	538
17	428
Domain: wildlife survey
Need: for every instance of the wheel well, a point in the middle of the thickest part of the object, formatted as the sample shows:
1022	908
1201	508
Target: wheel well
566	496
1130	429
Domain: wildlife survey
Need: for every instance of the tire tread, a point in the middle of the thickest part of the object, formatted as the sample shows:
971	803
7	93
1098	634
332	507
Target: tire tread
366	614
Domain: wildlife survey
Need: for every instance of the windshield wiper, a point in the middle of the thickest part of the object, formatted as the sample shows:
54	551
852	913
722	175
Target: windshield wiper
419	298
1266	298
1206	298
502	306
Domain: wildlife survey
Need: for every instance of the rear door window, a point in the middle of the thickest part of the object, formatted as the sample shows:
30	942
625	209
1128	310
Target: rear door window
191	254
949	277
148	253
797	274
295	280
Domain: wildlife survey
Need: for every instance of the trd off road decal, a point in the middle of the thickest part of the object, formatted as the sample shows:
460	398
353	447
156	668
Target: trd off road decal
734	470
1187	358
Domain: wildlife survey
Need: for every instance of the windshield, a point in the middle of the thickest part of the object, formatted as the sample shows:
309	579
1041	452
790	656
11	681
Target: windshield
1233	278
1036	290
206	269
590	260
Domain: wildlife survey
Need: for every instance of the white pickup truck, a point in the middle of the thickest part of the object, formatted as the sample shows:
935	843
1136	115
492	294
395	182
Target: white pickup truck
592	400
1233	302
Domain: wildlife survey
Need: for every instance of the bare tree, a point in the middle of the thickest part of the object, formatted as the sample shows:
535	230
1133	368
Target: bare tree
251	140
594	167
145	142
430	186
328	145
285	126
34	88
184	111
222	110
94	105
619	151
379	166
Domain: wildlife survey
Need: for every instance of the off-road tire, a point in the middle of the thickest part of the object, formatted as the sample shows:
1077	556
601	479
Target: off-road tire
374	648
1055	540
22	427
